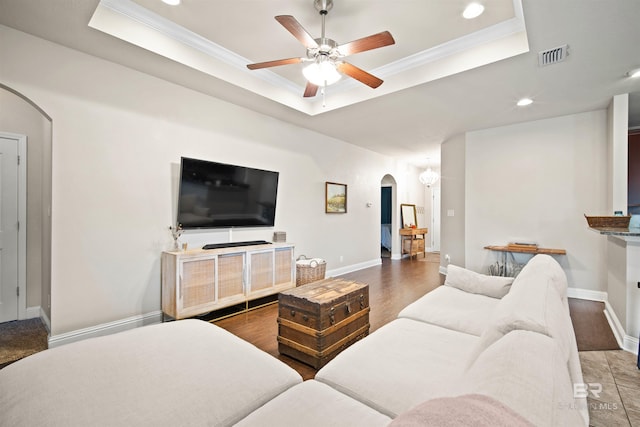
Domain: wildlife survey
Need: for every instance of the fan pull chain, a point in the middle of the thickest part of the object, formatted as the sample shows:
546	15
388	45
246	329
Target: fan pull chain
322	91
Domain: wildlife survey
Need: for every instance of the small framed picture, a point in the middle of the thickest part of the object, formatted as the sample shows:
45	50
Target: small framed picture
335	197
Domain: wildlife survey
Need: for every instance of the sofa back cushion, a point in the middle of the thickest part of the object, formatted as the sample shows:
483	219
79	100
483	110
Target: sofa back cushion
534	306
527	372
476	283
543	265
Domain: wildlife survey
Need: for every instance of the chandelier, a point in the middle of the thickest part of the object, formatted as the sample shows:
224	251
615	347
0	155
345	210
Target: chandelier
429	177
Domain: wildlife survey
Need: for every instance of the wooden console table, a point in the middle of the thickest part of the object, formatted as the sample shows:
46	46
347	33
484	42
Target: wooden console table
412	243
504	270
524	250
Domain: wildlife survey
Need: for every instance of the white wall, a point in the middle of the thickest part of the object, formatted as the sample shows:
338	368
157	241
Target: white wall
617	277
632	326
623	254
20	117
425	219
618	154
415	195
533	182
117	140
452	228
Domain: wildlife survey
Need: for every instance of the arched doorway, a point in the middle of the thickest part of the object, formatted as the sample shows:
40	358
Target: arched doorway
21	116
388	220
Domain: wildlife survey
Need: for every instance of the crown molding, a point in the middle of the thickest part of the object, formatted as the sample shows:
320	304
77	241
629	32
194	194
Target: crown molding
283	90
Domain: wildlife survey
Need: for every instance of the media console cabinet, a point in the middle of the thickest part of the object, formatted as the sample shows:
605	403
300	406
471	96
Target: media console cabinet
198	281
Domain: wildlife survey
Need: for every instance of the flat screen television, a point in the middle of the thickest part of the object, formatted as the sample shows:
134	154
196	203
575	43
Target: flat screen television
218	195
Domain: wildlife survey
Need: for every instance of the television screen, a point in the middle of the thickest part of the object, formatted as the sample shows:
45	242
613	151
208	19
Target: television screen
218	195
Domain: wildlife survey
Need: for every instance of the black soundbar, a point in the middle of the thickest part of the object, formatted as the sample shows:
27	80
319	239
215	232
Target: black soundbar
234	244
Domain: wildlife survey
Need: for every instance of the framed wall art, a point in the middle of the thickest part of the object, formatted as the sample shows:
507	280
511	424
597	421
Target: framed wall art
335	197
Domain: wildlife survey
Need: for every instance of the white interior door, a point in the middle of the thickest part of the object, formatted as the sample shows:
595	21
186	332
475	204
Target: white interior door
435	219
8	229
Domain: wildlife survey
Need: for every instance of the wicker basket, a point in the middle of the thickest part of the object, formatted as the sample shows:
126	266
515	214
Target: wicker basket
310	271
608	221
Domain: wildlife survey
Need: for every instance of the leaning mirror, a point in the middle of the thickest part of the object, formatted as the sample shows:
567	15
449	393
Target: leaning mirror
408	213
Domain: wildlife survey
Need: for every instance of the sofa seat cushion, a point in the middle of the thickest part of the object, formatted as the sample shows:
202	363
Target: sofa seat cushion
453	309
527	372
467	410
477	283
186	373
314	404
400	365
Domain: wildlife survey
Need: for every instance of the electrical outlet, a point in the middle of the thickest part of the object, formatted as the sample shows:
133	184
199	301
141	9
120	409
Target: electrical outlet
447	258
341	258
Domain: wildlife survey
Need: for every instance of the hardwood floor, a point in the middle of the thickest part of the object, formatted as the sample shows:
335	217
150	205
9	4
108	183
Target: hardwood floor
392	286
590	325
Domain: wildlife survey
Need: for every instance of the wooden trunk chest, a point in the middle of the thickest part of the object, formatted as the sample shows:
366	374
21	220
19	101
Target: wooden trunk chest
320	319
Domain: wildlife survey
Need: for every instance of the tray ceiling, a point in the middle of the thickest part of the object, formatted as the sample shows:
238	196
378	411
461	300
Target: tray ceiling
428	45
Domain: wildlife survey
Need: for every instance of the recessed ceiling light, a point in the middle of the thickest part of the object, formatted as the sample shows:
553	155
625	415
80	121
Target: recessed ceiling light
473	10
524	102
634	73
172	2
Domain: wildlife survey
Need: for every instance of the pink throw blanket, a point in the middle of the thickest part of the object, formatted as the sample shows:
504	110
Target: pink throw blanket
468	410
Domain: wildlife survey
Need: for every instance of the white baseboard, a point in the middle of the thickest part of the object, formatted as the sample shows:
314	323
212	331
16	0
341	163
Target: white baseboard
105	329
353	267
614	323
626	342
587	294
45	320
442	270
630	344
32	312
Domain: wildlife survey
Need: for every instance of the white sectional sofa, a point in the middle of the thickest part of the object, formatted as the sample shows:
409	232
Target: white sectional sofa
477	351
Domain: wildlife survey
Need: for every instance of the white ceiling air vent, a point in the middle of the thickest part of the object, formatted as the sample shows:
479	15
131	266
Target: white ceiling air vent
552	56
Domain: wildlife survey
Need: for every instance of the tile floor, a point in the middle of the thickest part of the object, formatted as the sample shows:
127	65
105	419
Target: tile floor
618	404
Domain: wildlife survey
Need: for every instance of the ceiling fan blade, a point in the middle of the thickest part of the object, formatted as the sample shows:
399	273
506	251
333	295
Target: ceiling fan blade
275	63
311	90
367	43
359	74
298	31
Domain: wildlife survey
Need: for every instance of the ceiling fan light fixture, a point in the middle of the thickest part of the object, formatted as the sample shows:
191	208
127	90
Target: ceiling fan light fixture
321	72
473	10
326	55
172	2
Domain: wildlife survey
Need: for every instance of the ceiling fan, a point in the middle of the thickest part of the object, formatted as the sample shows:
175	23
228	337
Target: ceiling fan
324	55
